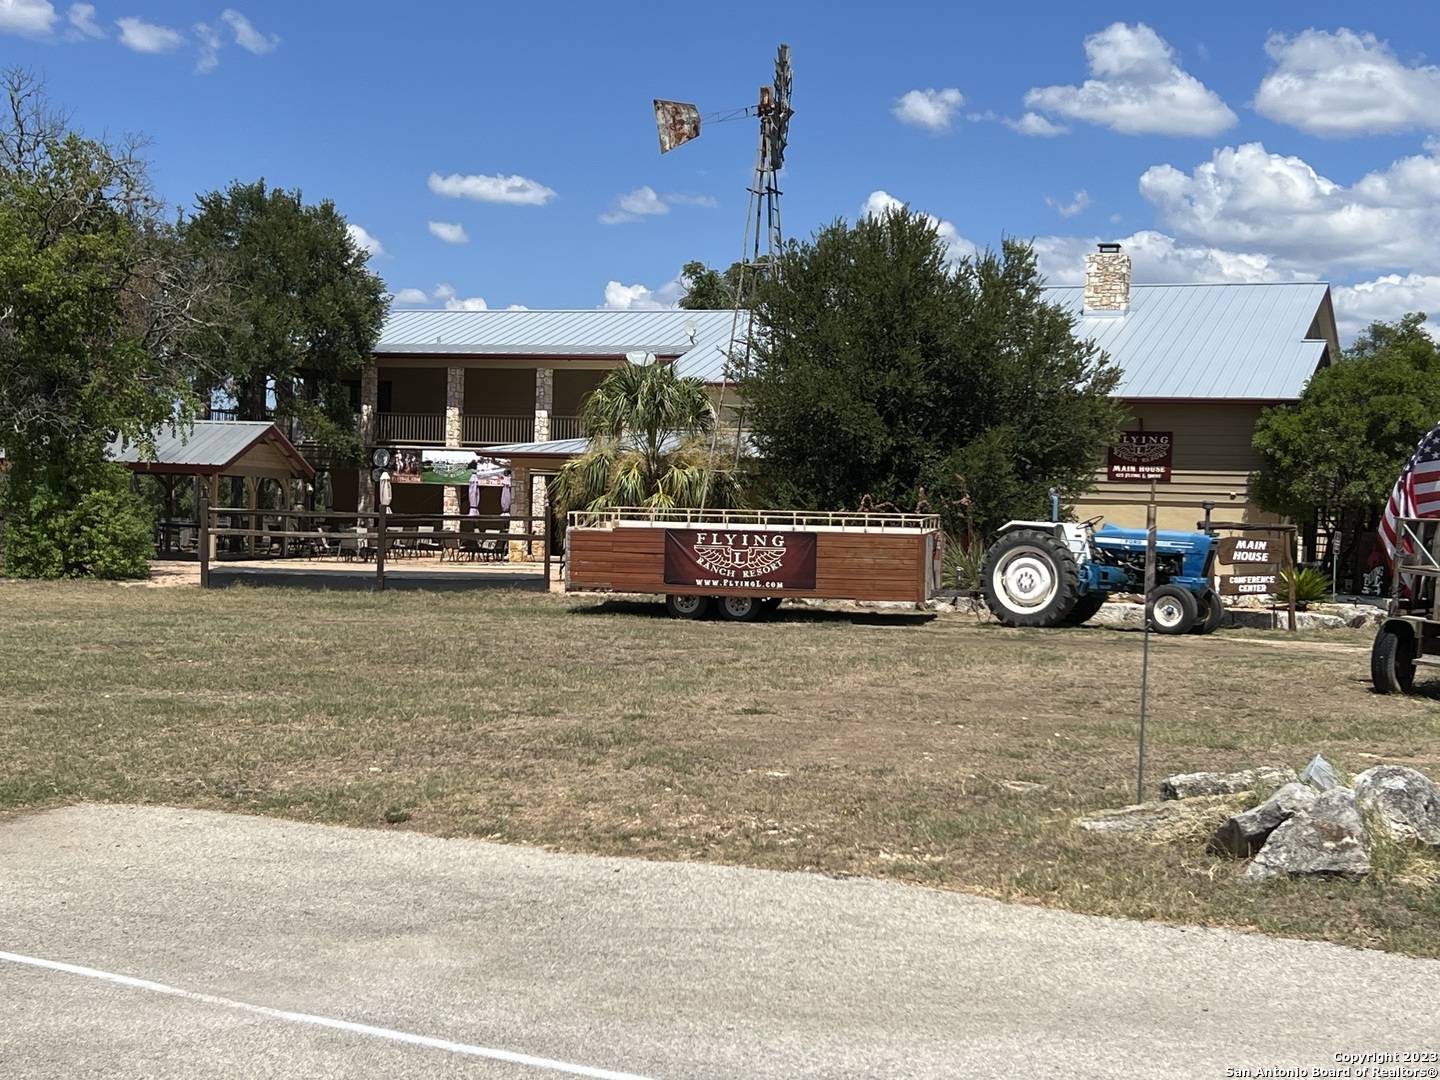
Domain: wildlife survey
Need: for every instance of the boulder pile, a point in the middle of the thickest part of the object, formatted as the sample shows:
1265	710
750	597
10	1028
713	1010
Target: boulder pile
1312	823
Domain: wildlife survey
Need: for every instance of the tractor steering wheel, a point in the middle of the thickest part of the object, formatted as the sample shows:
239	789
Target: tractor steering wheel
1090	523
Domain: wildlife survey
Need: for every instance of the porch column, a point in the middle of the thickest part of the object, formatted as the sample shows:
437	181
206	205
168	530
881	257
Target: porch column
369	430
454	406
544	402
519	509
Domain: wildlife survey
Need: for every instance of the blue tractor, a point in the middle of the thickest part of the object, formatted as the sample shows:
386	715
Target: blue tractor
1057	573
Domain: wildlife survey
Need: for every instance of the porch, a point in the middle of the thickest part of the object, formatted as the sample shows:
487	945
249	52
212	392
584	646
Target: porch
476	429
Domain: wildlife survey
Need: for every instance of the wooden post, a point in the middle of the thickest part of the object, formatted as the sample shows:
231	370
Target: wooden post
380	512
1290	577
202	491
547	545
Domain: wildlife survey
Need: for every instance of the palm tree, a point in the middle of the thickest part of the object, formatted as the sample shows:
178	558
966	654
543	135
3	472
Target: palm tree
650	445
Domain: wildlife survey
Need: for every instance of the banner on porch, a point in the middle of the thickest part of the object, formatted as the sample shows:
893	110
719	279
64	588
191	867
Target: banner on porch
454	467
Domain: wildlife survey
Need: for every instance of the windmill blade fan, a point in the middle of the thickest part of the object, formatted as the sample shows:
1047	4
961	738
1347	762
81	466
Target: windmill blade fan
780	113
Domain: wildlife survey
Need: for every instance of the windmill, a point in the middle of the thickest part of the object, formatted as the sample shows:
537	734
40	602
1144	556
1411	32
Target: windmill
679	122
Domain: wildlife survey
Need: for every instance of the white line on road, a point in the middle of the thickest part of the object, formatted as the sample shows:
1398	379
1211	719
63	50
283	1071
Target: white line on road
427	1041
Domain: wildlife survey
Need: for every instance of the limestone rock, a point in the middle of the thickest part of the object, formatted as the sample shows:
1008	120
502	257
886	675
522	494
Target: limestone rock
1189	785
1320	774
1244	834
1327	838
1406	800
1170	817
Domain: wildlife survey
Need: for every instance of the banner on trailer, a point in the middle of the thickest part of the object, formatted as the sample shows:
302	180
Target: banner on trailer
1141	456
737	558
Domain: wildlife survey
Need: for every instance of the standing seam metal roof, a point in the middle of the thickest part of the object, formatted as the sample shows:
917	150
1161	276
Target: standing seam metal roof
567	333
1212	342
208	445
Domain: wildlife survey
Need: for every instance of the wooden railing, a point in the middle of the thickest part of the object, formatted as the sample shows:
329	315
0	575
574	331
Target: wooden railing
566	427
399	427
479	429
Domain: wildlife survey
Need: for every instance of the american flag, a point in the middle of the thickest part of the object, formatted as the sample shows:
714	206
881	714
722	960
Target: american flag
1416	493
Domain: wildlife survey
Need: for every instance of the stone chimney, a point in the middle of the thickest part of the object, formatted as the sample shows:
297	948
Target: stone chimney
1107	281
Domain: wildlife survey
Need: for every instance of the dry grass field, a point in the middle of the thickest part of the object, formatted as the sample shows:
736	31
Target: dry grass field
939	751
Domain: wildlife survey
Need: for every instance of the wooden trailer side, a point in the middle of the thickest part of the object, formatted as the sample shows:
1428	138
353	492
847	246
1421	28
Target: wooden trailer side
848	565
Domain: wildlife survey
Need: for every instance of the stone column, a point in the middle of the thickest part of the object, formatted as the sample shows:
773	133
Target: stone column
454	406
520	490
369	430
544	402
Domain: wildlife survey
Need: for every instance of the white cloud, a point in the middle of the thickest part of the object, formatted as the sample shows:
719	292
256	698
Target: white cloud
879	203
208	57
364	241
620	297
1245	197
932	109
411	296
31	18
1137	88
516	190
1032	123
1344	83
81	18
1386	298
450	232
645	202
1156	259
1077	203
144	37
446	294
246	36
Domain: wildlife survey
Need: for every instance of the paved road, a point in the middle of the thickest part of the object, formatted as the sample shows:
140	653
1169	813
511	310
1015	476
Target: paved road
609	966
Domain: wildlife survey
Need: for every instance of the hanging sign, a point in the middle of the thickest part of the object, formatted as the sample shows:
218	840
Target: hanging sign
422	465
1236	550
1141	456
739	559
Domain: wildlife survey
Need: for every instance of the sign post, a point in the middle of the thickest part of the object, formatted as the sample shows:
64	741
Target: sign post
1145	638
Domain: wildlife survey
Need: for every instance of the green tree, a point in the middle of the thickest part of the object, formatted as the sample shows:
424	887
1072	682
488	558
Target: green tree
1330	460
882	371
305	311
707	289
650	445
97	309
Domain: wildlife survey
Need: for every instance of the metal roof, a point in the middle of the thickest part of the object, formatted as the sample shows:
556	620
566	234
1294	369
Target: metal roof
554	447
1216	342
584	333
208	446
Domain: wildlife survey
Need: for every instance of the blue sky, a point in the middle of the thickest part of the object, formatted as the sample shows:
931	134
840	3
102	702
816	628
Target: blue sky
485	147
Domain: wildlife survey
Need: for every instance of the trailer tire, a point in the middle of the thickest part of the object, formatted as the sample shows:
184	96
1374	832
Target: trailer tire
1212	613
1029	578
1392	660
1086	608
680	606
1173	610
738	608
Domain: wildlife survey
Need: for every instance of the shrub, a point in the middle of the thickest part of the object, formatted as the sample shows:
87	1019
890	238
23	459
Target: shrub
961	565
57	531
1311	586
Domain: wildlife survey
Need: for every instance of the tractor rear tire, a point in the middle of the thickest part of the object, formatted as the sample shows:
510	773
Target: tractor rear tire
1086	608
1212	613
1029	578
1173	610
1392	661
687	607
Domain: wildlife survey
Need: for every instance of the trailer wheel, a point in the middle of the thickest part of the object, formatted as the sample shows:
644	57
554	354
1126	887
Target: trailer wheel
1086	608
1173	610
1029	578
687	607
738	608
1392	660
1212	613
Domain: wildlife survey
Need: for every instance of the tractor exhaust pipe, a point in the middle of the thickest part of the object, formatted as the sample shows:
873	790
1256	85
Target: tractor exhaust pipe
1054	504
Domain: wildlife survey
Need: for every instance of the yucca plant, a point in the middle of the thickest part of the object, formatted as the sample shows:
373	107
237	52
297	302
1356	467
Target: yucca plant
650	445
1311	586
962	562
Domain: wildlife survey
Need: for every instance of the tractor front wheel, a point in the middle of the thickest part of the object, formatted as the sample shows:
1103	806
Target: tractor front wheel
1173	610
1029	578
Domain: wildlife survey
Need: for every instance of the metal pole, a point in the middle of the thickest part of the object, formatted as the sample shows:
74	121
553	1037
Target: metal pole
547	545
202	505
379	541
1290	558
1145	646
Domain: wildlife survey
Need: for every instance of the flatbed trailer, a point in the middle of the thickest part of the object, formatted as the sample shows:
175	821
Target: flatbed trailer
742	563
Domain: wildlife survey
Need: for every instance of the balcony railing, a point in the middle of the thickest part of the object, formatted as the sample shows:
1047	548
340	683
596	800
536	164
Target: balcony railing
477	429
566	427
407	427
